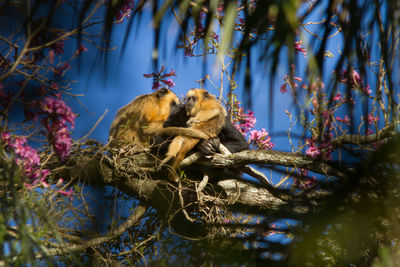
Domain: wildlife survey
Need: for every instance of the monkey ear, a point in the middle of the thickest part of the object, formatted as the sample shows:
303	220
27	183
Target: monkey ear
206	95
162	92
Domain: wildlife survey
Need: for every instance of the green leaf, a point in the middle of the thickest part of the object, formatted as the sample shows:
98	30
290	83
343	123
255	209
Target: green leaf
229	22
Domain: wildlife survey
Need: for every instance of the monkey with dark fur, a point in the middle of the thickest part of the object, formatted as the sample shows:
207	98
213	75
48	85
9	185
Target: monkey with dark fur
202	112
229	136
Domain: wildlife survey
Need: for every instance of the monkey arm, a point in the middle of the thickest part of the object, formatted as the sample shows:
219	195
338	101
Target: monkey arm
189	132
231	138
204	116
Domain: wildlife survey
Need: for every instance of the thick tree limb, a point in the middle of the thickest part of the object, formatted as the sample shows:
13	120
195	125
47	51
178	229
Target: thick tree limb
278	158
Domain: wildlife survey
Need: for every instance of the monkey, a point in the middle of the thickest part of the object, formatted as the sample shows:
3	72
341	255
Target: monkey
142	118
206	115
138	120
229	136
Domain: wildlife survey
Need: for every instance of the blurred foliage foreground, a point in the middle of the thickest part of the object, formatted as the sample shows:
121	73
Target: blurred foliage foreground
214	219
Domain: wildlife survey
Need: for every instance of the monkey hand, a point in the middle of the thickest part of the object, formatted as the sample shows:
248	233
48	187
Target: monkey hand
209	146
192	121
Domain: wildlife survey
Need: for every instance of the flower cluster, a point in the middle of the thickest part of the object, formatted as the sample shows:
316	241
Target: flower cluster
355	80
56	116
199	34
323	150
260	139
27	158
60	71
163	78
245	122
289	81
345	120
125	11
303	182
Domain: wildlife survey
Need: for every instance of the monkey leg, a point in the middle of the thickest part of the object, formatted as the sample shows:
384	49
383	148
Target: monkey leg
186	145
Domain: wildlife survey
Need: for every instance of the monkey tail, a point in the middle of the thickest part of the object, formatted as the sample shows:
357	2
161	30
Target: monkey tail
183	132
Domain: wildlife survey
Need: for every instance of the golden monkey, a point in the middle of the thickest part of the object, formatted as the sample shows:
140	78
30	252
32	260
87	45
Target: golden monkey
206	115
142	118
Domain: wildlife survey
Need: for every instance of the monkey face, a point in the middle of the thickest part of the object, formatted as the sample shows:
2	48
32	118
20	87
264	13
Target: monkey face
194	98
167	96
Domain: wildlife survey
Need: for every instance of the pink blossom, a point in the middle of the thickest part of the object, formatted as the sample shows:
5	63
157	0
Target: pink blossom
366	89
261	139
66	193
169	82
299	48
125	11
171	73
26	157
371	119
345	120
283	88
313	150
61	70
355	80
62	143
156	85
245	122
56	116
338	97
82	48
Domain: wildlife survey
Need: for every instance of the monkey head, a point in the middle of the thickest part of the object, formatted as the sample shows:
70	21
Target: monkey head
194	100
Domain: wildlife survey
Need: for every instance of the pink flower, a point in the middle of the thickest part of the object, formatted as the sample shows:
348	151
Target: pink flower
283	88
125	11
26	157
261	139
169	82
345	120
171	73
66	193
338	97
366	89
371	119
299	48
355	80
156	85
245	122
82	48
62	143
313	150
57	115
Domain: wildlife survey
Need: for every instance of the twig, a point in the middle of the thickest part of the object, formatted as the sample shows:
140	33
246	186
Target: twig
94	127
